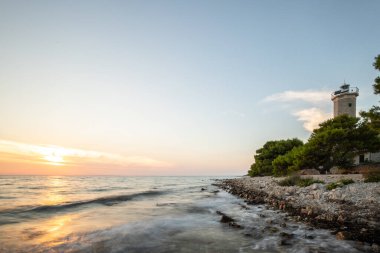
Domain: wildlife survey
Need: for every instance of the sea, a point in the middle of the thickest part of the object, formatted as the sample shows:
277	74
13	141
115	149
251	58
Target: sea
146	214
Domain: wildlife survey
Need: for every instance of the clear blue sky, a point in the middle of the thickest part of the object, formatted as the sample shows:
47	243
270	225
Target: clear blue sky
199	85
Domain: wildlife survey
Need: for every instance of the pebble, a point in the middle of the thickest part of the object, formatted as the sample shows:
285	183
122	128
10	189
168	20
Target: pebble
354	204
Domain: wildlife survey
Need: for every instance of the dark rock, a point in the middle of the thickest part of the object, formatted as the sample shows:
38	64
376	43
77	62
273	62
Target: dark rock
285	242
349	221
375	247
244	207
286	235
235	225
286	238
203	189
225	218
272	229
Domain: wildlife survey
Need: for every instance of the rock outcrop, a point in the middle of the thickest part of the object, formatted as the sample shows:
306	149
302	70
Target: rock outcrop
352	211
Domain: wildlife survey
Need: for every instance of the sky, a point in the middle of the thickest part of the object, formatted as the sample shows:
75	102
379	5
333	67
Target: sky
162	87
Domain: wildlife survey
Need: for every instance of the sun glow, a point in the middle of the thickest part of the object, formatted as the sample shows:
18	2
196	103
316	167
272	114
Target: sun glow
53	155
74	160
54	159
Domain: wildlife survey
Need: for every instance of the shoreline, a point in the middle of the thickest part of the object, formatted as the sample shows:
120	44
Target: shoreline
352	211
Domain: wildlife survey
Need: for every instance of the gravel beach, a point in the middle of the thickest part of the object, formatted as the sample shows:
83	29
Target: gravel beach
351	211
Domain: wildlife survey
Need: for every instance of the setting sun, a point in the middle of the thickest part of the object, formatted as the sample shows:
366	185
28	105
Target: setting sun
54	158
53	155
38	157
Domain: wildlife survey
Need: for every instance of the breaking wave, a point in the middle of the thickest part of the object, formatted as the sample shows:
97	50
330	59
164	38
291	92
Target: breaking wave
107	200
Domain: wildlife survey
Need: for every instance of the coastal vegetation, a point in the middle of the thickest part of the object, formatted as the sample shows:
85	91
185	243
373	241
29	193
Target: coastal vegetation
271	150
376	85
372	116
335	143
339	183
372	177
296	180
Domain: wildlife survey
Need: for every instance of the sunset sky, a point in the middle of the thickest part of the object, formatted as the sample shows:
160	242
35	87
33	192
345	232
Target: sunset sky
172	87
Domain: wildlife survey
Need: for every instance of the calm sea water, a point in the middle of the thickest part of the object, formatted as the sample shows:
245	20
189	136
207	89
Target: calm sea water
144	214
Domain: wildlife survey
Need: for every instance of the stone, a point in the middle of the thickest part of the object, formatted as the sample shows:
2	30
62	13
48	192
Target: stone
273	229
309	172
342	235
335	170
310	237
375	248
341	218
286	238
235	225
353	217
225	218
285	242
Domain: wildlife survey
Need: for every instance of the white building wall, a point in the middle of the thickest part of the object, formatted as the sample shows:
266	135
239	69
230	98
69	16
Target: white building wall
368	157
374	157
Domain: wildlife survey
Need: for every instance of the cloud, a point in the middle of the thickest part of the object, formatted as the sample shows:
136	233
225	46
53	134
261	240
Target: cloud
311	117
309	96
56	155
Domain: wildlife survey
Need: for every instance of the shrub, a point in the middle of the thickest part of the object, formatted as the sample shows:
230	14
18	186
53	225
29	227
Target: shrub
297	180
304	182
289	181
339	183
372	177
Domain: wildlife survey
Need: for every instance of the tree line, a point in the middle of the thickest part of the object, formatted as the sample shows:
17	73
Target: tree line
335	143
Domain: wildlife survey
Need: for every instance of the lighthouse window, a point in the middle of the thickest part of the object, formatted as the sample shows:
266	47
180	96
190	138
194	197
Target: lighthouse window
349	104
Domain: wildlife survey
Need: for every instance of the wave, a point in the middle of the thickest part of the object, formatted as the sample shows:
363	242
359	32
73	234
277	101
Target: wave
108	189
108	201
35	187
7	197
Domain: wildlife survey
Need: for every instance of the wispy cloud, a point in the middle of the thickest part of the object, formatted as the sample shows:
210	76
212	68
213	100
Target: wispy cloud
309	96
57	155
311	117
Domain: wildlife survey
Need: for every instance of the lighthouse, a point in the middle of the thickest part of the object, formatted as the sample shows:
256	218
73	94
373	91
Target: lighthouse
345	100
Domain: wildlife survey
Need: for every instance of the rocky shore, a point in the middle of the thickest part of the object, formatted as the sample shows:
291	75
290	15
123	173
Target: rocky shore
352	212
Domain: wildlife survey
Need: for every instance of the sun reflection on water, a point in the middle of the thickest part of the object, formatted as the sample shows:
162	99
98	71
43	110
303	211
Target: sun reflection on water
53	194
54	231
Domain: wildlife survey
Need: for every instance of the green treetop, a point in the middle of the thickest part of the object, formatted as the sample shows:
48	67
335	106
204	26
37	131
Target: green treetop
372	116
337	141
270	151
376	85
